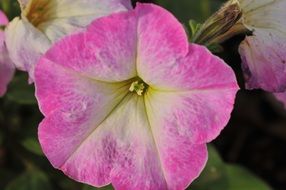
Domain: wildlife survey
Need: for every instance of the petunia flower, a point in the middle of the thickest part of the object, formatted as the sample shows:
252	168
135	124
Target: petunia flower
43	22
131	102
6	66
263	53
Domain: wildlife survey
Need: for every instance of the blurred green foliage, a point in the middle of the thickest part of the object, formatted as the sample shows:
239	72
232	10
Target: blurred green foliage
218	175
184	10
22	163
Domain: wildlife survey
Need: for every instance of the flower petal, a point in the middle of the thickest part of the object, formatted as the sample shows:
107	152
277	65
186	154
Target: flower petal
79	92
72	15
199	69
199	115
161	40
25	45
3	19
264	14
6	66
106	56
264	61
120	150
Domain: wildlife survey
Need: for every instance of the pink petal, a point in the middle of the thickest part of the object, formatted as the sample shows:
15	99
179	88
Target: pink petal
120	150
198	115
73	91
6	66
161	40
198	70
264	61
3	19
106	56
115	151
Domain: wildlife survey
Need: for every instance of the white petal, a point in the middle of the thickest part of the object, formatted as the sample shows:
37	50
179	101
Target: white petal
25	44
72	15
264	14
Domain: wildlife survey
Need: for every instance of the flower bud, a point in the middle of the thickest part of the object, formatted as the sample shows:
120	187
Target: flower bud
221	24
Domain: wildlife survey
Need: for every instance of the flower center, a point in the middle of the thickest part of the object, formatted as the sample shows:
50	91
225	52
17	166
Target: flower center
138	86
37	11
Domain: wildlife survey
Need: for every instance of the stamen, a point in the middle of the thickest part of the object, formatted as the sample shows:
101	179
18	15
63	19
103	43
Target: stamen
138	87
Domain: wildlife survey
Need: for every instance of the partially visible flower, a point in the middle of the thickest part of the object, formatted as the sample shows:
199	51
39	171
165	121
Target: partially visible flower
131	102
263	51
220	25
6	66
43	22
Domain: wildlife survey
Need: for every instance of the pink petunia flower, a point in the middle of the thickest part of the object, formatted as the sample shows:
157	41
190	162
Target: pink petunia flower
263	53
43	22
131	102
6	66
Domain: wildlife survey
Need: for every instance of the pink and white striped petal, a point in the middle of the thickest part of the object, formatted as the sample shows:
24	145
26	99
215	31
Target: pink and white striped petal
161	41
107	56
198	115
197	70
120	150
98	132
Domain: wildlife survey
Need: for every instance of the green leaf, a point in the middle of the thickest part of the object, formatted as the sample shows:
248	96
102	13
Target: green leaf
30	180
20	91
32	145
6	175
239	178
5	5
185	10
218	175
87	187
214	174
215	48
194	27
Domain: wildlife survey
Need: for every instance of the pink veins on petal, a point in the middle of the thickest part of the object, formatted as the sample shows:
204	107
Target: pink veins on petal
6	66
131	102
